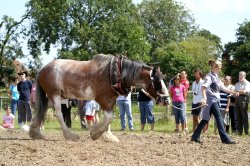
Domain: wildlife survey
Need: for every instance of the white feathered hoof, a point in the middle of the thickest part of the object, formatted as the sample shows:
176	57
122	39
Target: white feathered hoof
109	137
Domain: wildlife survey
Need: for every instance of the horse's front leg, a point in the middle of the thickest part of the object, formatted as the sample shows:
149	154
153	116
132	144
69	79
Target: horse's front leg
66	131
108	136
104	126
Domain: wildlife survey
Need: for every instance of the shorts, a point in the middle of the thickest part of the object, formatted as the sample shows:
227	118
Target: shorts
89	117
196	111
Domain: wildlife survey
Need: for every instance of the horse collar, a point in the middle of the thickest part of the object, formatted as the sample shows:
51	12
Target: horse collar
116	79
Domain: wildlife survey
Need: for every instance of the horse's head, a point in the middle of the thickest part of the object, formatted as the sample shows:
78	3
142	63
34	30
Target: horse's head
157	88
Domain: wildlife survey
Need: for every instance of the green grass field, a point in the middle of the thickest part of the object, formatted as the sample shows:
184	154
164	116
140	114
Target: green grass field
162	124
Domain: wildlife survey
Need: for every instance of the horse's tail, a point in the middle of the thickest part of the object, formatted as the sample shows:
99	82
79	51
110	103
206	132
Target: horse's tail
41	104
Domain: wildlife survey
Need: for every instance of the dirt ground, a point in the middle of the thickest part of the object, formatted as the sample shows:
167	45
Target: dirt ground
133	149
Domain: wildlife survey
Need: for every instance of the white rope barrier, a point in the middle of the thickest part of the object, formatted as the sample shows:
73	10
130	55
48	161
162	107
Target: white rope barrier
187	109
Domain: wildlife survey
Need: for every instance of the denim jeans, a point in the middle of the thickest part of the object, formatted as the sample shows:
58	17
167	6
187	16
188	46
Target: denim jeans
180	116
13	106
125	108
215	110
146	111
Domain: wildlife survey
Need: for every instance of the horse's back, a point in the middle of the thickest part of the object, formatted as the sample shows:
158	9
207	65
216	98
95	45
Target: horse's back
73	79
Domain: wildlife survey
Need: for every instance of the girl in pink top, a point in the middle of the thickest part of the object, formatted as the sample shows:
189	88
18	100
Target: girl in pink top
8	119
178	95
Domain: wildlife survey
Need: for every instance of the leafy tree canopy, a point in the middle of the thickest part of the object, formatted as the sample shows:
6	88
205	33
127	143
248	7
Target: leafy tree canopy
165	21
87	27
237	54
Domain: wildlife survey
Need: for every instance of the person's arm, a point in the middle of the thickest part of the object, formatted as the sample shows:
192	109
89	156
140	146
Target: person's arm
185	94
228	104
146	93
9	91
236	93
203	91
246	91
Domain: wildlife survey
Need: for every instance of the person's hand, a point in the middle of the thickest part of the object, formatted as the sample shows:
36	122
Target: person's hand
236	93
204	101
227	110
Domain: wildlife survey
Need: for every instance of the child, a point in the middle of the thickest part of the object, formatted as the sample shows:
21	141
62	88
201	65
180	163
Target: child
179	94
8	119
90	109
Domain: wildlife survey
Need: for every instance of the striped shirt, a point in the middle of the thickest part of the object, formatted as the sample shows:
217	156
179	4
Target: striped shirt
223	100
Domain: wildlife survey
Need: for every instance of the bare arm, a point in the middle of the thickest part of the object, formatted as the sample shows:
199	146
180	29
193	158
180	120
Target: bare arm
203	91
146	93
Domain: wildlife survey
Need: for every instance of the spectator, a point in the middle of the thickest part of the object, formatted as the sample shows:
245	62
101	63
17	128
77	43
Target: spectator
178	94
90	108
184	81
24	88
14	96
197	97
33	94
8	119
66	111
241	103
146	109
224	107
232	111
211	96
124	104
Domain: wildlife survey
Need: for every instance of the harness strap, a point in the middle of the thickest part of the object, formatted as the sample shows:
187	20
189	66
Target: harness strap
116	78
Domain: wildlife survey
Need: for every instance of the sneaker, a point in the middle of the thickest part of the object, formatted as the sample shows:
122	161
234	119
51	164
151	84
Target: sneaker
131	129
122	129
229	142
196	140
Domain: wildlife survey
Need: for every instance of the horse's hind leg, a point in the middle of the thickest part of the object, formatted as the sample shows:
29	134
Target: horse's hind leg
35	131
66	131
104	125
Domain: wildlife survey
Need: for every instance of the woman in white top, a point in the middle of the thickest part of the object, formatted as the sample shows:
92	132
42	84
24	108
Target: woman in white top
197	97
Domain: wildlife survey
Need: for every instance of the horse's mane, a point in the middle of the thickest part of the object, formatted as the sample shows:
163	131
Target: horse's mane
130	69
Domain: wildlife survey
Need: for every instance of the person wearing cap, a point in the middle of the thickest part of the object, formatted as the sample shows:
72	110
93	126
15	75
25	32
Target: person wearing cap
24	87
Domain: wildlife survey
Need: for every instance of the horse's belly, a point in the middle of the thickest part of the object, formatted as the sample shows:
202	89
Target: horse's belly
86	93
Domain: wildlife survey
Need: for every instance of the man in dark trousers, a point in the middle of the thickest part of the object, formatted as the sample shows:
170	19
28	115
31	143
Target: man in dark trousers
241	103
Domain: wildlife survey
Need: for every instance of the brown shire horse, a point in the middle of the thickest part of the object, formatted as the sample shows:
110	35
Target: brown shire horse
91	80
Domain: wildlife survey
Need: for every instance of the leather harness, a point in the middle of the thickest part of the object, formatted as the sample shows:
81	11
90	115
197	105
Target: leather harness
116	79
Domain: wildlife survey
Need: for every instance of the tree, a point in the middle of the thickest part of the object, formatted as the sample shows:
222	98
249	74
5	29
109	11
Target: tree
192	53
10	45
236	56
84	28
165	21
213	38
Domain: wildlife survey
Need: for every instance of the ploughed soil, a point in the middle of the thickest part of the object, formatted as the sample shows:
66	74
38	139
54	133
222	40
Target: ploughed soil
134	148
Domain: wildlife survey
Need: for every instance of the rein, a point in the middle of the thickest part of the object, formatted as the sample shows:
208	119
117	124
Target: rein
115	76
